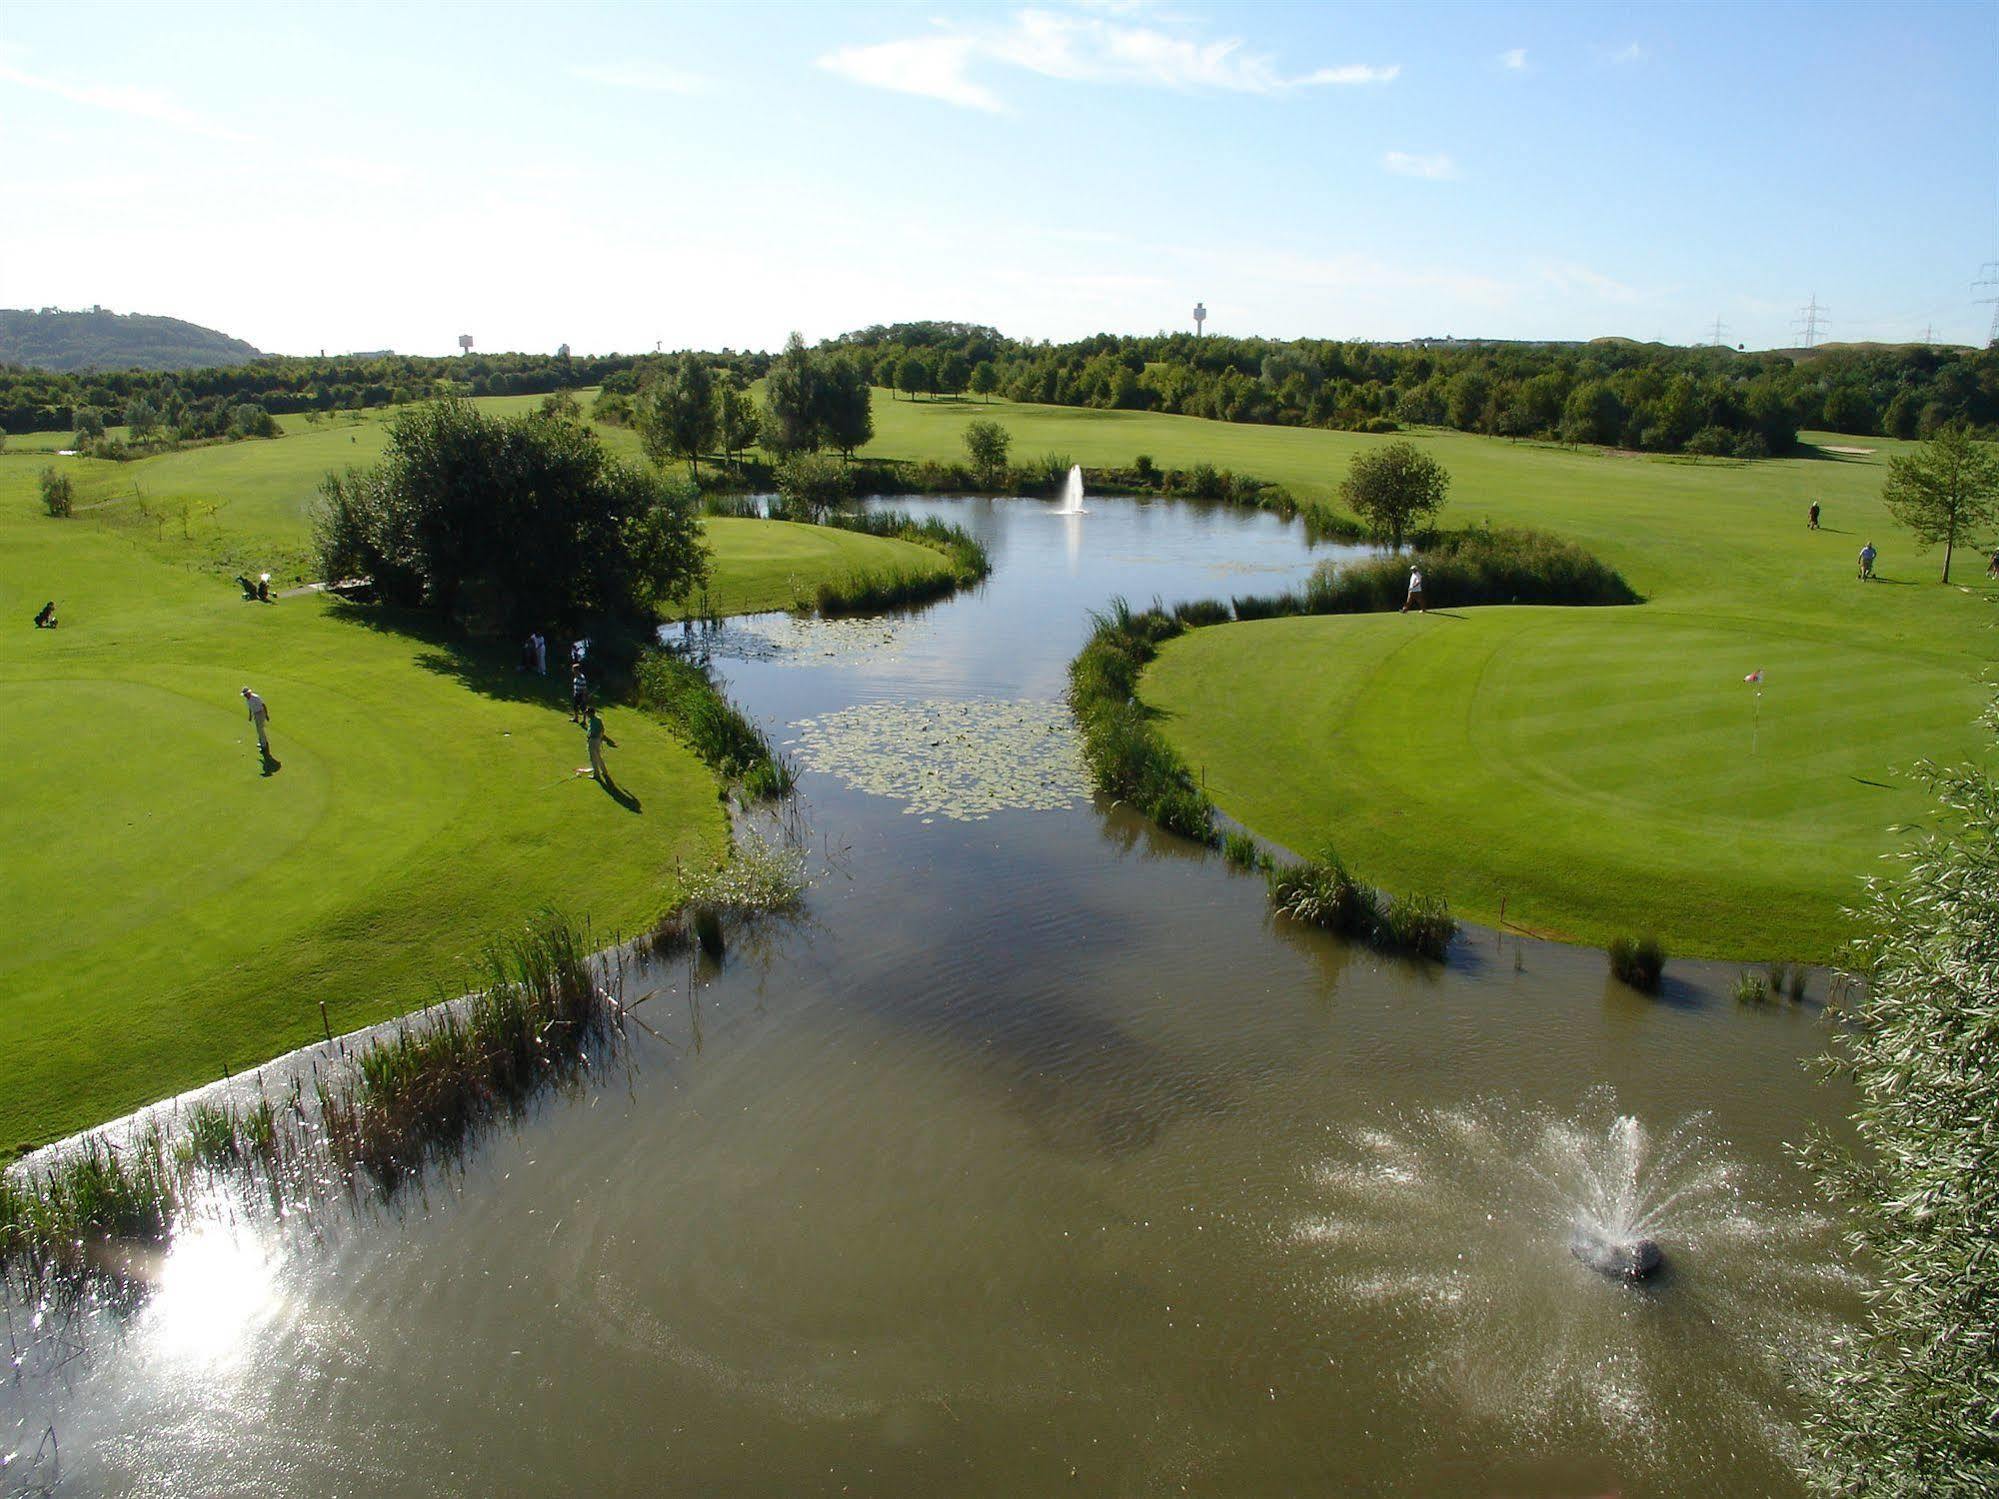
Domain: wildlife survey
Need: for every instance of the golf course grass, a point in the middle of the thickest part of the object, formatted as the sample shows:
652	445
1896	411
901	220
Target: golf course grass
1590	772
169	910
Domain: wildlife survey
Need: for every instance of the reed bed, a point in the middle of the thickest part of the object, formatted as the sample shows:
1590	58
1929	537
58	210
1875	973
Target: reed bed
1126	755
1321	891
876	590
686	698
404	1100
421	1094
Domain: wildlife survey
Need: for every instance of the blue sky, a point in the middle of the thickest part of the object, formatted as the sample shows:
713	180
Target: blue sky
611	176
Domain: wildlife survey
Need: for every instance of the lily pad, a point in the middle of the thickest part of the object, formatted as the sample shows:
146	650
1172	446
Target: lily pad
962	758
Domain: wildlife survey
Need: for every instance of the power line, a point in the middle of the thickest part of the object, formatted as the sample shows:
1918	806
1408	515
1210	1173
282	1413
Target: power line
1719	328
1988	275
1809	318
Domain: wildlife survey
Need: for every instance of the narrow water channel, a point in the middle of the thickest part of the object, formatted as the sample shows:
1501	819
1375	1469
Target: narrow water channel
1035	1155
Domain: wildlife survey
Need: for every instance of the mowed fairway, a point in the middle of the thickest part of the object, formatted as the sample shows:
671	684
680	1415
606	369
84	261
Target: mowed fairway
1594	771
168	910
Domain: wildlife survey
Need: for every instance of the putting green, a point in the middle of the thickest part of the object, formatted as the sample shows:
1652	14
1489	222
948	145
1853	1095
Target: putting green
1588	771
763	564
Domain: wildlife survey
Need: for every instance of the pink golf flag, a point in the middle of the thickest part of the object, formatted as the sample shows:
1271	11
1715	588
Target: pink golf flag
1755	676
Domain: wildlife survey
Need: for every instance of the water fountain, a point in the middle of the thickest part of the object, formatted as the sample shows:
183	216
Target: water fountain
1072	492
1469	1224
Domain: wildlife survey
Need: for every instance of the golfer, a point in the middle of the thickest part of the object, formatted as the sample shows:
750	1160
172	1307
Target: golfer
260	720
1867	556
1415	593
579	695
593	727
1813	523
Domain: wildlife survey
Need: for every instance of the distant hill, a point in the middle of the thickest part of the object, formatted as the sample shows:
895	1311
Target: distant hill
104	340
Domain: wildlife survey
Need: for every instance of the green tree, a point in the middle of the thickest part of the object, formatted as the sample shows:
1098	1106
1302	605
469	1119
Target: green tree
529	517
142	416
1944	491
1847	409
844	412
1394	487
58	494
735	418
985	379
676	413
89	425
1593	413
1466	399
1905	1403
912	375
987	444
1899	420
791	401
953	373
814	479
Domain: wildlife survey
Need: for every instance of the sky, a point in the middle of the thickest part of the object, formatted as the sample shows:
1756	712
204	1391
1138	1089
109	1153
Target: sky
615	177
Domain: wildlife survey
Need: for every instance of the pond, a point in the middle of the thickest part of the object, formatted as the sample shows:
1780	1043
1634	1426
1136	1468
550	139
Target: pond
1035	1154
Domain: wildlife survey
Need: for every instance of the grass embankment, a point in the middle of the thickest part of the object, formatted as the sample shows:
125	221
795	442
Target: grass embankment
1598	772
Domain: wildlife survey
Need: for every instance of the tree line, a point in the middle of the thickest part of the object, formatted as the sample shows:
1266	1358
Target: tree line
1610	392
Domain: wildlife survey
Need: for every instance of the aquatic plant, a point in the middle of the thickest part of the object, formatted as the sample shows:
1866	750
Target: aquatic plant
1241	851
759	879
686	698
1788	979
1638	961
1751	988
419	1094
1198	612
961	758
968	555
873	590
1321	891
1418	923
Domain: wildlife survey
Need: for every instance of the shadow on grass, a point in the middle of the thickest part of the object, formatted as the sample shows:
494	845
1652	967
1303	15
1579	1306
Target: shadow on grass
617	793
490	668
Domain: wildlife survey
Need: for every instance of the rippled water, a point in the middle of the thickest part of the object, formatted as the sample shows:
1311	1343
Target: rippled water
1034	1156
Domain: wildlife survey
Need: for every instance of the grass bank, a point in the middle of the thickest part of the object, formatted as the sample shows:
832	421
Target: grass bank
1592	772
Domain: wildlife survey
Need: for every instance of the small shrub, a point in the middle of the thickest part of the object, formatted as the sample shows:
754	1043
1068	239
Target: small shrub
1751	988
58	494
1638	961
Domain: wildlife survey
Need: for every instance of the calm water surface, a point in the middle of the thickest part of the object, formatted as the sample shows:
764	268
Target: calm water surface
1034	1157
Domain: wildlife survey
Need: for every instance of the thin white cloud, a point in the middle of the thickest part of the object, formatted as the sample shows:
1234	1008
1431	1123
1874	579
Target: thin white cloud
1078	49
1572	280
1514	58
144	104
931	66
1630	52
1406	164
649	77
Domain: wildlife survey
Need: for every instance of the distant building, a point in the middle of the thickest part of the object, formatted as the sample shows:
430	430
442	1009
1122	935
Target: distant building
464	343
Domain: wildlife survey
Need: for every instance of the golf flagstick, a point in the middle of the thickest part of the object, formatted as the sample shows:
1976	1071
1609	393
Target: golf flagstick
1755	679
